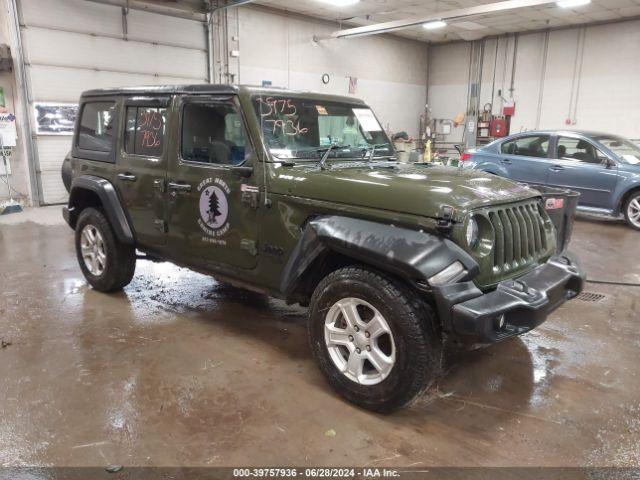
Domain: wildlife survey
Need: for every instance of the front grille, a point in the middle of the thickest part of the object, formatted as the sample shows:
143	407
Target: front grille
520	235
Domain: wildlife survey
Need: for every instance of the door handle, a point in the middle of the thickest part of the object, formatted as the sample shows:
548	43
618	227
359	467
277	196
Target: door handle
180	187
506	161
556	168
127	177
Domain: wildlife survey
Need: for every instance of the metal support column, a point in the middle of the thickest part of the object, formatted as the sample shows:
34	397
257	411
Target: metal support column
26	104
210	56
473	96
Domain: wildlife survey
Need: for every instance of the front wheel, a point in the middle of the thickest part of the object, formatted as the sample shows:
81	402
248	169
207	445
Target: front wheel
374	340
632	210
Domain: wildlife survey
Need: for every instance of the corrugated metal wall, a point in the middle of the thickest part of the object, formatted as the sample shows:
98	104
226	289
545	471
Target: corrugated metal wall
73	45
601	97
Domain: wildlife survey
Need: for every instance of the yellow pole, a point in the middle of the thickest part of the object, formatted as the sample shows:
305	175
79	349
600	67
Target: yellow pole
427	151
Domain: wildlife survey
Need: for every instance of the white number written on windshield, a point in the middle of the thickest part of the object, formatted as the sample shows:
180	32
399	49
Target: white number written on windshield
281	115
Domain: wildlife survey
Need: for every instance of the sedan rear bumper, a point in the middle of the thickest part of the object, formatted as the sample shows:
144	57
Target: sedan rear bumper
514	307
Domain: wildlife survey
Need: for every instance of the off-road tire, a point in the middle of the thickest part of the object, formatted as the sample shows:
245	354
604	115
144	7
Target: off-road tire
635	196
120	257
418	341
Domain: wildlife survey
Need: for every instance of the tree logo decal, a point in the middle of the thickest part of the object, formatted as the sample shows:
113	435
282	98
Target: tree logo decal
214	208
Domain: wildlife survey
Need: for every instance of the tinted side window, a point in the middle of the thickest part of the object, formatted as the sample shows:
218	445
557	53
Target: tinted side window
234	130
577	149
534	146
96	126
213	133
145	129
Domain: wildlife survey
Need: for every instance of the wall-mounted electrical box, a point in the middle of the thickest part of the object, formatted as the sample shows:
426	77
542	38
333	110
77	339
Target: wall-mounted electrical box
6	62
509	109
499	127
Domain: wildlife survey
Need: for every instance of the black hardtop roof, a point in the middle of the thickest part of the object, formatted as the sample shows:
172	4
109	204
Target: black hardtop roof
215	89
161	90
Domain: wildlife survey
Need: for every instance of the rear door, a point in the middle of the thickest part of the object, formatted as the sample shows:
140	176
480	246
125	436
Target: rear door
526	158
142	168
581	166
212	202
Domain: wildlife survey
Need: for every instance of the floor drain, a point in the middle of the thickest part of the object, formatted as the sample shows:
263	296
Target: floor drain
590	297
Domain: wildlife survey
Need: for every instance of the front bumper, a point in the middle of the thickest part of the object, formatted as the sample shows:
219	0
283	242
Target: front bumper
513	308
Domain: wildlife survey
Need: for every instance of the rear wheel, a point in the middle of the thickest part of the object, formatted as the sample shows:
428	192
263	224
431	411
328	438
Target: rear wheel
373	339
632	210
106	263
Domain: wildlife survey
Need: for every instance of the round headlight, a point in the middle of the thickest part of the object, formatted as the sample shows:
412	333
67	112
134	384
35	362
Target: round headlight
472	232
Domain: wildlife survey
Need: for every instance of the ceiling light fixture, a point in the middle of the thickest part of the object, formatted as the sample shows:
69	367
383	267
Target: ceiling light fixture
340	3
434	25
572	3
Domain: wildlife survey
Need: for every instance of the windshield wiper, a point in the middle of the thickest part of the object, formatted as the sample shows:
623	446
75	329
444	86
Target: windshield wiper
371	150
327	151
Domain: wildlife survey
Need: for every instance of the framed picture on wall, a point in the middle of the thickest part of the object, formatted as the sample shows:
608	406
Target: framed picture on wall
55	118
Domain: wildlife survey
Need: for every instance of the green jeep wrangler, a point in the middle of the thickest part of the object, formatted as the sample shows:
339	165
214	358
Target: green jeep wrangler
300	196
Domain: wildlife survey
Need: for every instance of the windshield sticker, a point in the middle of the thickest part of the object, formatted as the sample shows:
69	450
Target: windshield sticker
321	110
632	159
214	210
367	120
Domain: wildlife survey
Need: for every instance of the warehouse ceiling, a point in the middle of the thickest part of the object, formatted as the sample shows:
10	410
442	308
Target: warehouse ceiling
368	12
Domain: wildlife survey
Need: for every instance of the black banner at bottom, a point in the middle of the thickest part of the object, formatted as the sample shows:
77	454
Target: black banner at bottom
365	473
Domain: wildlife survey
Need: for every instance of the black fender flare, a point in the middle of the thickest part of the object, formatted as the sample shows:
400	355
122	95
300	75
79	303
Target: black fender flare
411	254
111	205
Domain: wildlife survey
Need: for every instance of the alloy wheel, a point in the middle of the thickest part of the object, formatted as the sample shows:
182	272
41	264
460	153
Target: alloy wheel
359	341
93	251
633	211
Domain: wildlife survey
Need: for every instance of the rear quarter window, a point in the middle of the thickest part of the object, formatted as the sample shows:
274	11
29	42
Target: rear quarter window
96	131
96	127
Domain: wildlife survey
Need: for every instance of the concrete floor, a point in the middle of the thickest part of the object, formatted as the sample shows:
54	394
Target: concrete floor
179	370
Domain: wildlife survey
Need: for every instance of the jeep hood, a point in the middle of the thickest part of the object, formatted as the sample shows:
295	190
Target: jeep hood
405	188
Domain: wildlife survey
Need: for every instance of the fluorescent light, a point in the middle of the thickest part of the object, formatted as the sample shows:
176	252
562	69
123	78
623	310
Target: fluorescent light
572	3
340	3
435	25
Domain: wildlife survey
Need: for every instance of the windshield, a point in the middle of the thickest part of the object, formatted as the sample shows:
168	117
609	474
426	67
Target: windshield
623	148
298	128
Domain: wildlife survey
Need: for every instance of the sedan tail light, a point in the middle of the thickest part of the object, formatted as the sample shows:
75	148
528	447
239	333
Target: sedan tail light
465	156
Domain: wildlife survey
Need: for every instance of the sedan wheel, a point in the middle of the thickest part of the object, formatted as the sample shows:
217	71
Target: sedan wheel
633	211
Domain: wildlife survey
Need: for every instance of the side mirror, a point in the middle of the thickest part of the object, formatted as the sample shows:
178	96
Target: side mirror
608	163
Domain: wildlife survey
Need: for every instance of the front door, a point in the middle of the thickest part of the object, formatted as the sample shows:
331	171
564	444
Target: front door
213	199
580	166
142	168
